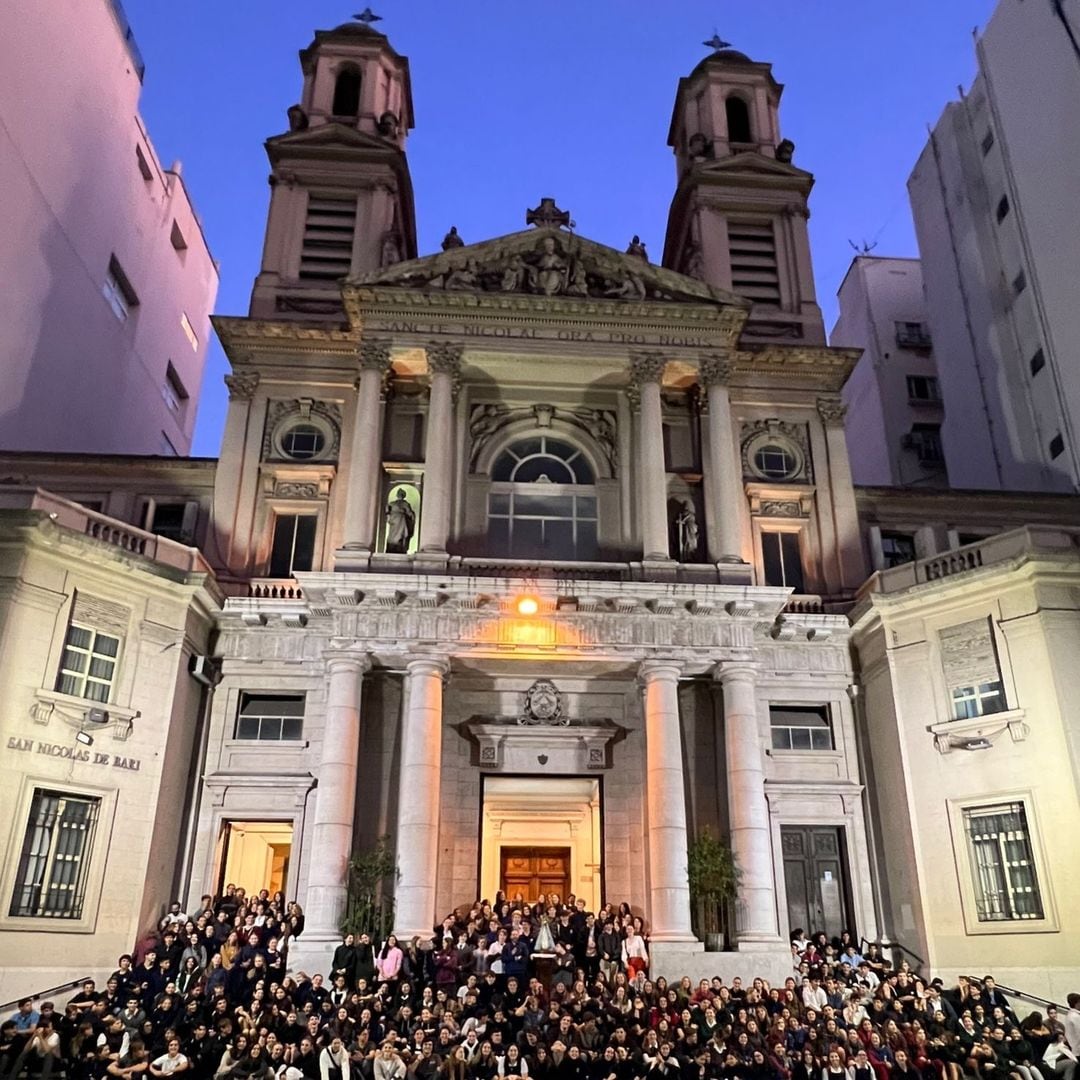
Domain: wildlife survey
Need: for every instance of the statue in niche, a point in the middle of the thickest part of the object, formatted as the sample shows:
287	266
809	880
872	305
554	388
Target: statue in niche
400	524
551	269
686	524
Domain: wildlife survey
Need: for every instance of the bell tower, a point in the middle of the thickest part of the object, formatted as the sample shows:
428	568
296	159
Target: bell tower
738	218
341	198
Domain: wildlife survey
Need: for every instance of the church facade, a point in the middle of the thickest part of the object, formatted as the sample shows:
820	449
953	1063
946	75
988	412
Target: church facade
541	559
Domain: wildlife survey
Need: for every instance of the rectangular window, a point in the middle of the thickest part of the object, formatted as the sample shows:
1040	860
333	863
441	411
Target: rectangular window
987	143
1019	283
294	544
144	165
270	717
972	672
118	292
922	388
189	331
176	237
925	440
1002	863
173	390
1038	362
173	520
912	335
800	727
88	665
754	273
165	446
1002	211
897	548
782	560
326	254
50	882
1057	446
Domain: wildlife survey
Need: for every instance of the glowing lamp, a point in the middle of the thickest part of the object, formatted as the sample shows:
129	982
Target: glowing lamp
527	605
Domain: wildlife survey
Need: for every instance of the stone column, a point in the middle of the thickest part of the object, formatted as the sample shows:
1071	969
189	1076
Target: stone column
328	851
418	803
748	811
845	515
723	467
234	484
444	364
646	372
365	454
665	790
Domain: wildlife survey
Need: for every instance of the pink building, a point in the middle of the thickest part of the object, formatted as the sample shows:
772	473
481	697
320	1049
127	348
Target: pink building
108	282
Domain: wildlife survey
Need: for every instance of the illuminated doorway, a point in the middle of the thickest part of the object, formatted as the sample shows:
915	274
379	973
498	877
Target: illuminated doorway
254	855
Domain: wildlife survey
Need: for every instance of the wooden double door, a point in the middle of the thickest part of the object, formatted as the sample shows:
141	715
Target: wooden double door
530	871
815	874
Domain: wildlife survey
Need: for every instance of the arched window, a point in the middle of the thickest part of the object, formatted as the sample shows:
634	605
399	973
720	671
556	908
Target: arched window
542	503
347	93
738	120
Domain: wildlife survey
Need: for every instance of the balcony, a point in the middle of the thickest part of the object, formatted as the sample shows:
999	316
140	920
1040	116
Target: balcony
913	336
1018	544
107	530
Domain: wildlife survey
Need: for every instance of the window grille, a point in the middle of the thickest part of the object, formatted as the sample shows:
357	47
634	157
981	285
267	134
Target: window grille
1002	863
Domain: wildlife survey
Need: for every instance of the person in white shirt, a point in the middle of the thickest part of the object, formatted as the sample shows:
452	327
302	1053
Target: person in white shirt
1060	1057
172	1061
1072	1023
813	994
334	1061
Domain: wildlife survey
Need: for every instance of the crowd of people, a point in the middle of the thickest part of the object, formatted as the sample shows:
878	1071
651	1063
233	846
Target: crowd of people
510	990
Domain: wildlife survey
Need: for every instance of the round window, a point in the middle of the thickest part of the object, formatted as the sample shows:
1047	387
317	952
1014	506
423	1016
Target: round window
302	442
775	461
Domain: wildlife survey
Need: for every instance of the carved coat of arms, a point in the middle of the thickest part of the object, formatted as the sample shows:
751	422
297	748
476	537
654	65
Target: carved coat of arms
542	704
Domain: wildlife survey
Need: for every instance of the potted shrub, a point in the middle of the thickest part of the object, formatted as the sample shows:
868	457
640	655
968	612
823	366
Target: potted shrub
714	880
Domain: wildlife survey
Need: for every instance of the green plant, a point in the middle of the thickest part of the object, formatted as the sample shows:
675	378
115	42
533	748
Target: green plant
714	881
369	909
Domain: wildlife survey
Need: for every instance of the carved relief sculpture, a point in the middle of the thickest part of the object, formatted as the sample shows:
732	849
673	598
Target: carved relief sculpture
543	704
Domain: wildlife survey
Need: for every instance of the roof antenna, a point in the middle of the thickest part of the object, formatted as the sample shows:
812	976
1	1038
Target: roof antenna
863	249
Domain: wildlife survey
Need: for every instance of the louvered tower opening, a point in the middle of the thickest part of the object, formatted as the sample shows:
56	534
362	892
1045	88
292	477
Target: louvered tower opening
753	262
328	239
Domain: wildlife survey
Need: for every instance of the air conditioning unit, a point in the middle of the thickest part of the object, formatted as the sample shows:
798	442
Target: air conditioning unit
205	669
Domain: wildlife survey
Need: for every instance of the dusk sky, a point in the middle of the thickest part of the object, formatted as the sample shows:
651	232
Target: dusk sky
569	99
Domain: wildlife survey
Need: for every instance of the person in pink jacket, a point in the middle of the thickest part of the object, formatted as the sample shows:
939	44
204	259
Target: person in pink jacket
388	962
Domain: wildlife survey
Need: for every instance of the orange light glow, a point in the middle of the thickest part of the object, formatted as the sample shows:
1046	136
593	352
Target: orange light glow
528	605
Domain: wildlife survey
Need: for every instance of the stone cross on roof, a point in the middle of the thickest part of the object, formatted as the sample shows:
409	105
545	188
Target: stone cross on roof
367	17
716	43
546	214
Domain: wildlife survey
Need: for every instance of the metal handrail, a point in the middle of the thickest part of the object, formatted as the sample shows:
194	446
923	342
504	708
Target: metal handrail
38	995
883	945
1020	993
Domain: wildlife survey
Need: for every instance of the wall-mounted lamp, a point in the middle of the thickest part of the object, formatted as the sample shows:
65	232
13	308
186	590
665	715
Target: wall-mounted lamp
84	737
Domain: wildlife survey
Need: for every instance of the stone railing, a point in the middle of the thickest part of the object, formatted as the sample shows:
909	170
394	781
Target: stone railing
801	604
275	589
1031	540
107	530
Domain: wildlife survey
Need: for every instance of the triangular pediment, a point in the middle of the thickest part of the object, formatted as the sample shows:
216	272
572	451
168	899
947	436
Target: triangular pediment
752	162
331	135
547	262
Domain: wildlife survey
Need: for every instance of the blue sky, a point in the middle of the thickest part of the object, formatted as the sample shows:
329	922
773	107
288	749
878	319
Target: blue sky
571	99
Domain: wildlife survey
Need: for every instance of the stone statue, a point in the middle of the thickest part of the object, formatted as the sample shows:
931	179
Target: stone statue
687	525
601	426
464	277
452	240
699	147
578	285
637	248
400	524
551	268
631	287
388	125
515	276
694	263
484	420
298	119
785	151
391	250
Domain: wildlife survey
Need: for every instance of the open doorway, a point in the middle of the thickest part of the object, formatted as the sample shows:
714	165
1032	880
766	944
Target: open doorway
255	855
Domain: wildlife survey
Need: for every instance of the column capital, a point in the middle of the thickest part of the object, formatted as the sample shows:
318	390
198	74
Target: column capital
355	660
242	385
715	369
647	367
831	410
429	665
659	670
731	671
374	355
444	357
